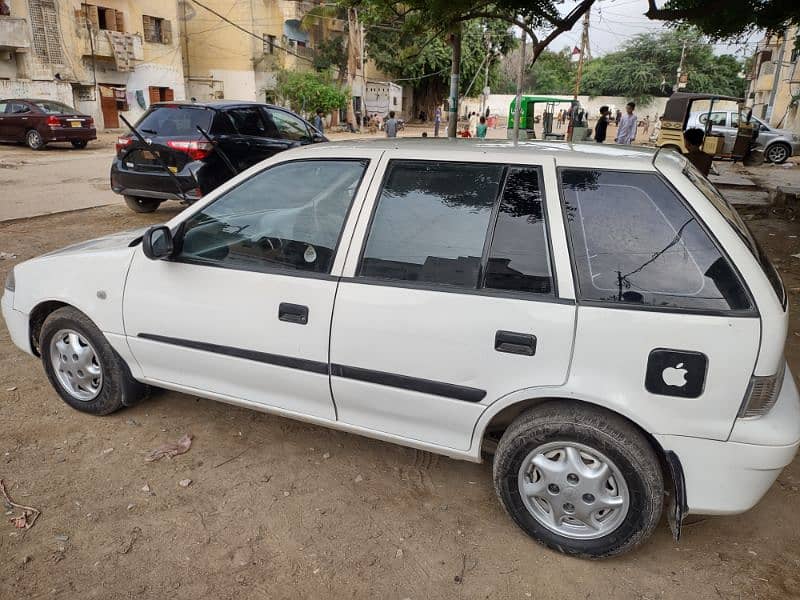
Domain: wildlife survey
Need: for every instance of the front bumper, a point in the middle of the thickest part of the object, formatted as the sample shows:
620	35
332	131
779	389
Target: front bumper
17	323
731	477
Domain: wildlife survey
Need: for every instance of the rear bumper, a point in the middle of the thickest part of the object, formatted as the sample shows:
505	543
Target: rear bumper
65	134
161	186
731	477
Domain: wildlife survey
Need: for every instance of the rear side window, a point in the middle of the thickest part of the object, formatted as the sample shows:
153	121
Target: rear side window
519	257
431	221
635	243
169	121
54	108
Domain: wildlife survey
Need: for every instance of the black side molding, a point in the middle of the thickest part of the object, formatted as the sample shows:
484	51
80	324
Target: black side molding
279	360
415	384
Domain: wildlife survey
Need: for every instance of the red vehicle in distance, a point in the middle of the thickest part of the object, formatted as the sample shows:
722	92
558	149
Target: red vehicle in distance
39	122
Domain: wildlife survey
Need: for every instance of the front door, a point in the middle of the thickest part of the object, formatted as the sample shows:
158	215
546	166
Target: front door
244	309
449	300
108	106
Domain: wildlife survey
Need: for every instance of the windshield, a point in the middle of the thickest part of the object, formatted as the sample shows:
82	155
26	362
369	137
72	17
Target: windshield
732	217
169	121
55	108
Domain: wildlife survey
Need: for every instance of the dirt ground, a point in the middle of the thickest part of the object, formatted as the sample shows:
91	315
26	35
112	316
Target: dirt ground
280	509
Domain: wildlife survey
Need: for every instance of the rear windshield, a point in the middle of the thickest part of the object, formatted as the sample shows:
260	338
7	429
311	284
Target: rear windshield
55	108
732	216
169	121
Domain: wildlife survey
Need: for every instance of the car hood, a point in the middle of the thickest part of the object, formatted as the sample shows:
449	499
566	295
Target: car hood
103	244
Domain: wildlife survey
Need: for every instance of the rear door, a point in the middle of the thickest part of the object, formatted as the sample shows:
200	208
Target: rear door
449	299
19	118
251	137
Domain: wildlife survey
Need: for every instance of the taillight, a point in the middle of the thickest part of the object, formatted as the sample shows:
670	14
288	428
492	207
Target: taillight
90	122
762	393
53	121
122	143
196	150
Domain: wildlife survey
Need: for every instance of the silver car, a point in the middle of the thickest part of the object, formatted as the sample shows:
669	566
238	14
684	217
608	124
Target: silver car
778	144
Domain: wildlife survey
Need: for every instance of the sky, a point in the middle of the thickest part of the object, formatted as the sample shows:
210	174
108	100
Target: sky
614	21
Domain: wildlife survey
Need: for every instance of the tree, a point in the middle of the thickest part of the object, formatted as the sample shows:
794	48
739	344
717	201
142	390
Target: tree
646	66
727	18
552	73
308	91
425	63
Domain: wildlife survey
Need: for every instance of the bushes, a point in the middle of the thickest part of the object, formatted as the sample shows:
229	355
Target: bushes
309	91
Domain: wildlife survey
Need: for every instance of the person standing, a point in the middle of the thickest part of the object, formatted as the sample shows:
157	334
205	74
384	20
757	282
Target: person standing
601	127
319	124
628	125
473	123
437	120
391	125
480	129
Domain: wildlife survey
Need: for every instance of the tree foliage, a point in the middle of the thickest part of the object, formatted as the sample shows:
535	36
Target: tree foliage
552	73
308	91
646	66
720	19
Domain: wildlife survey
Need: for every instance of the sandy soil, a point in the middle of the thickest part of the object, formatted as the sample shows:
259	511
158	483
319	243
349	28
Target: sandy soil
280	509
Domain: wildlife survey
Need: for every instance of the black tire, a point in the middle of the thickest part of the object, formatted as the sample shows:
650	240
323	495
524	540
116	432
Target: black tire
777	153
118	387
79	144
142	205
34	140
604	432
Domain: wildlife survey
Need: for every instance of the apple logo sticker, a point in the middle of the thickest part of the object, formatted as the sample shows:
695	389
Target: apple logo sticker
680	373
675	376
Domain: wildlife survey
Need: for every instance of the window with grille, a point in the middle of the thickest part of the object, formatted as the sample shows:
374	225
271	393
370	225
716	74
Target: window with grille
156	30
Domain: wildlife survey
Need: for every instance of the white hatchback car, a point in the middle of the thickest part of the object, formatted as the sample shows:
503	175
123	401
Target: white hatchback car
597	317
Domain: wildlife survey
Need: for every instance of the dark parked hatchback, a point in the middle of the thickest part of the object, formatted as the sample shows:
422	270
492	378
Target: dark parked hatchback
244	133
39	122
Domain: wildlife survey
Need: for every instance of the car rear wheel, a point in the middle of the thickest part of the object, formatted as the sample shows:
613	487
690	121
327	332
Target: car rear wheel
34	140
579	480
142	205
79	144
83	367
778	153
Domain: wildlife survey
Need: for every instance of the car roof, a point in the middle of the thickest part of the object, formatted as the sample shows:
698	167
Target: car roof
32	100
563	153
216	104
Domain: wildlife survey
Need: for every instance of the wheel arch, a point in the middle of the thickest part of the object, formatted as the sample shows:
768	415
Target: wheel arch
37	318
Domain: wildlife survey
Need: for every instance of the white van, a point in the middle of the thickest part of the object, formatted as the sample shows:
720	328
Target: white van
596	317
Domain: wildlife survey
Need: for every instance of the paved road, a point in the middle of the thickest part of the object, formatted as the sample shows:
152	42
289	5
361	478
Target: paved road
53	180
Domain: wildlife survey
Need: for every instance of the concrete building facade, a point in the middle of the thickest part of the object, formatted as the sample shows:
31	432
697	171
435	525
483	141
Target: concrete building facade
774	81
107	58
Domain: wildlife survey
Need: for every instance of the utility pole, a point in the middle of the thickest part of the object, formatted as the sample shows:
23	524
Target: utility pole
94	60
677	85
452	122
776	79
520	80
584	52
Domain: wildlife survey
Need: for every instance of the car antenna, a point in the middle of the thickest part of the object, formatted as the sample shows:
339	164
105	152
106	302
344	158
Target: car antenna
139	137
218	148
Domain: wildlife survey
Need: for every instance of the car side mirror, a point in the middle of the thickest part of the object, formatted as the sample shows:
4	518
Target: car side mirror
316	138
157	243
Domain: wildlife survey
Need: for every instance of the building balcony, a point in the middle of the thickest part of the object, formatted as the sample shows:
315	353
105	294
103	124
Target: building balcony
14	33
101	45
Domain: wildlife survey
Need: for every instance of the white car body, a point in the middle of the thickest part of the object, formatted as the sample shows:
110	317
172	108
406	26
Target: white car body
344	368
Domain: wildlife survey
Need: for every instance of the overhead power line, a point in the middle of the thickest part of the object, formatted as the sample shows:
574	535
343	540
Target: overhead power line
248	32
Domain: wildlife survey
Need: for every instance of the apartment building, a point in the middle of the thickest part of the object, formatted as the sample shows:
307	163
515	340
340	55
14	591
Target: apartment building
107	58
235	49
774	88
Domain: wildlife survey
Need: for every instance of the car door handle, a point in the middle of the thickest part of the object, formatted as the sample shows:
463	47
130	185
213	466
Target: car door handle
293	313
515	343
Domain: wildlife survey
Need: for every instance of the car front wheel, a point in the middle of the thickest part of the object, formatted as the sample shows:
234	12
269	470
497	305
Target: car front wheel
83	367
579	480
778	153
34	140
142	205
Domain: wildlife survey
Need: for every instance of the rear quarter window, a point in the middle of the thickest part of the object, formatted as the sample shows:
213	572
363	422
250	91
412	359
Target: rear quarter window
636	244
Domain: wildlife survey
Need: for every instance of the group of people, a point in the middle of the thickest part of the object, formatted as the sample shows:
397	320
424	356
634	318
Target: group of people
627	126
475	127
374	122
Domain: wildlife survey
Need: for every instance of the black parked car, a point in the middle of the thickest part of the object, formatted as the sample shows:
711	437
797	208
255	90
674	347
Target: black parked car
244	132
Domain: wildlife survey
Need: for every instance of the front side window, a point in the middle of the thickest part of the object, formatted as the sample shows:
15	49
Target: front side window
289	216
635	243
248	121
717	118
431	221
